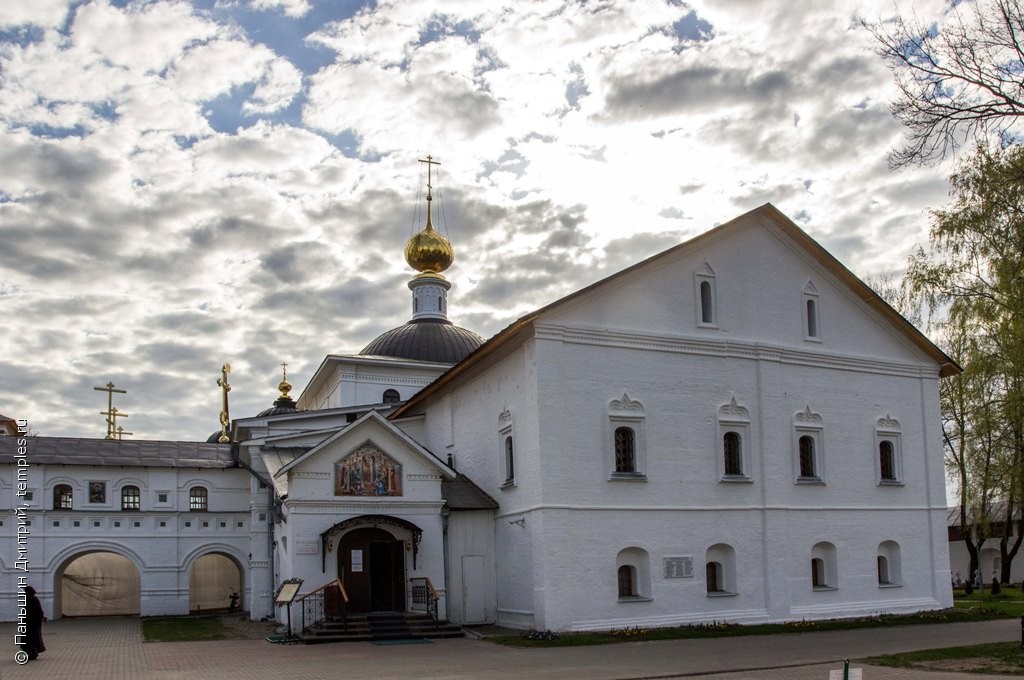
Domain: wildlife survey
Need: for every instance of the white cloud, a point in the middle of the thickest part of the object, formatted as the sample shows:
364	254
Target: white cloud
165	209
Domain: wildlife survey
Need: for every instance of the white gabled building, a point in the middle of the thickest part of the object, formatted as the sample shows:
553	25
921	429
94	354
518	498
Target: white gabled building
734	429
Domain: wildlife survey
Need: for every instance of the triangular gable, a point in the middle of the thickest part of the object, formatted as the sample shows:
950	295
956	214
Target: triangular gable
352	430
514	334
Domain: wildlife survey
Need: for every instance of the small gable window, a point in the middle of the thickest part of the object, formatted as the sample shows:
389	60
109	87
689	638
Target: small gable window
811	313
510	461
62	497
197	499
704	284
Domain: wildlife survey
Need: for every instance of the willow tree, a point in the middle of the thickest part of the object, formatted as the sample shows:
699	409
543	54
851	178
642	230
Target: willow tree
974	269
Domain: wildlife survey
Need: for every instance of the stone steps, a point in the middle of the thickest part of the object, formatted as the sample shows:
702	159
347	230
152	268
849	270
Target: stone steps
381	626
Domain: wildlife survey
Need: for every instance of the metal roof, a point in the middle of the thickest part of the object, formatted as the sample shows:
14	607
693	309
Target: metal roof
426	340
114	452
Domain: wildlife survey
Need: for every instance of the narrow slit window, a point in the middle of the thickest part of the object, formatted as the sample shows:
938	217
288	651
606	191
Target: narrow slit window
886	461
625	450
812	319
807	468
706	304
733	453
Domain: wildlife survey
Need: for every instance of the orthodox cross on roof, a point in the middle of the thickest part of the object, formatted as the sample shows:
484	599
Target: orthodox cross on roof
111	413
225	418
121	433
429	160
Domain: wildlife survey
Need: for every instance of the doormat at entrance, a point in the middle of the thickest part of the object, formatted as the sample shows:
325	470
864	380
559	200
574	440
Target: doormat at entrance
405	641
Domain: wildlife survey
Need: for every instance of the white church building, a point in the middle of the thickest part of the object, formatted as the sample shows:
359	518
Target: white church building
734	429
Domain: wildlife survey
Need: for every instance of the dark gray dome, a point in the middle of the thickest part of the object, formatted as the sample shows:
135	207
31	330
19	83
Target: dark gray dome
281	406
426	340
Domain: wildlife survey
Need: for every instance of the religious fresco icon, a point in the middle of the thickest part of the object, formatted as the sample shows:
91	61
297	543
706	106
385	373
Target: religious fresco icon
367	471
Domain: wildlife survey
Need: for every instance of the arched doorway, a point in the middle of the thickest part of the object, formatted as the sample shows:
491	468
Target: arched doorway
212	580
371	564
98	584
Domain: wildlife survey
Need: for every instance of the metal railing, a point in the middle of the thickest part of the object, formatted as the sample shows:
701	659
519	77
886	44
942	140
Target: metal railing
329	602
424	596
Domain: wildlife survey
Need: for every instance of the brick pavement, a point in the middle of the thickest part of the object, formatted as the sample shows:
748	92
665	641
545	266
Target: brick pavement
112	649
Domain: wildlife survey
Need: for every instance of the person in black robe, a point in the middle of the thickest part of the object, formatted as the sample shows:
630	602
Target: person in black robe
34	618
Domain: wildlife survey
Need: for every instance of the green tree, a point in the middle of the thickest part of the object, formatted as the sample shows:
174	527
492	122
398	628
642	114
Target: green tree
975	271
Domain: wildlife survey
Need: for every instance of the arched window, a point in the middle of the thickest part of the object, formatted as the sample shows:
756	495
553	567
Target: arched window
886	461
888	560
627	581
812	319
704	278
625	450
391	397
633	566
807	457
720	570
706	305
131	499
62	497
824	569
818	572
714	577
510	462
732	445
197	499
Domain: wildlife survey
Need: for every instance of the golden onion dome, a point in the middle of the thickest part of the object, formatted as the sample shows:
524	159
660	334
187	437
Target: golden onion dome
429	251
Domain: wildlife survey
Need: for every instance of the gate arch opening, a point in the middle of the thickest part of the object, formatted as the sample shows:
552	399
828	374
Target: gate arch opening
97	583
212	579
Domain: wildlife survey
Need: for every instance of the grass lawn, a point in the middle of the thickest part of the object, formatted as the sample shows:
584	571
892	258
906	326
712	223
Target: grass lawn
178	628
534	639
1003	658
1010	601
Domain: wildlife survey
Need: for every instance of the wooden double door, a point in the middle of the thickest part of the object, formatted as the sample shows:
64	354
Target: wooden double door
371	563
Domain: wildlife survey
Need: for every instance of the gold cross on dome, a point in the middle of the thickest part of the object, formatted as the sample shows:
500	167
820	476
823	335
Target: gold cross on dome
225	418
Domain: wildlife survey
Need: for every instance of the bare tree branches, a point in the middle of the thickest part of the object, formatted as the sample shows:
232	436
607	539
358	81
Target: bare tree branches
958	83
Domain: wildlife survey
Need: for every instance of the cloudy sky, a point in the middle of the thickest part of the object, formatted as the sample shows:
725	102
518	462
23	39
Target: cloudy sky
188	183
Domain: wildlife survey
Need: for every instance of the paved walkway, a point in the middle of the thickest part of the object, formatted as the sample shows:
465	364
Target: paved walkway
112	649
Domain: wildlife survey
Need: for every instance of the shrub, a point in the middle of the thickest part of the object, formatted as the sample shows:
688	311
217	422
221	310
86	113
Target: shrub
995	586
540	635
968	588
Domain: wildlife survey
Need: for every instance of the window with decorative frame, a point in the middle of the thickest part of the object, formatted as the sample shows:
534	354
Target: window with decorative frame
63	497
811	313
131	498
198	499
734	463
627	455
507	448
809	445
888	453
704	286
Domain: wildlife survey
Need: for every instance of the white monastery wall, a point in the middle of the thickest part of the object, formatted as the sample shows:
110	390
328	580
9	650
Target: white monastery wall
162	539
